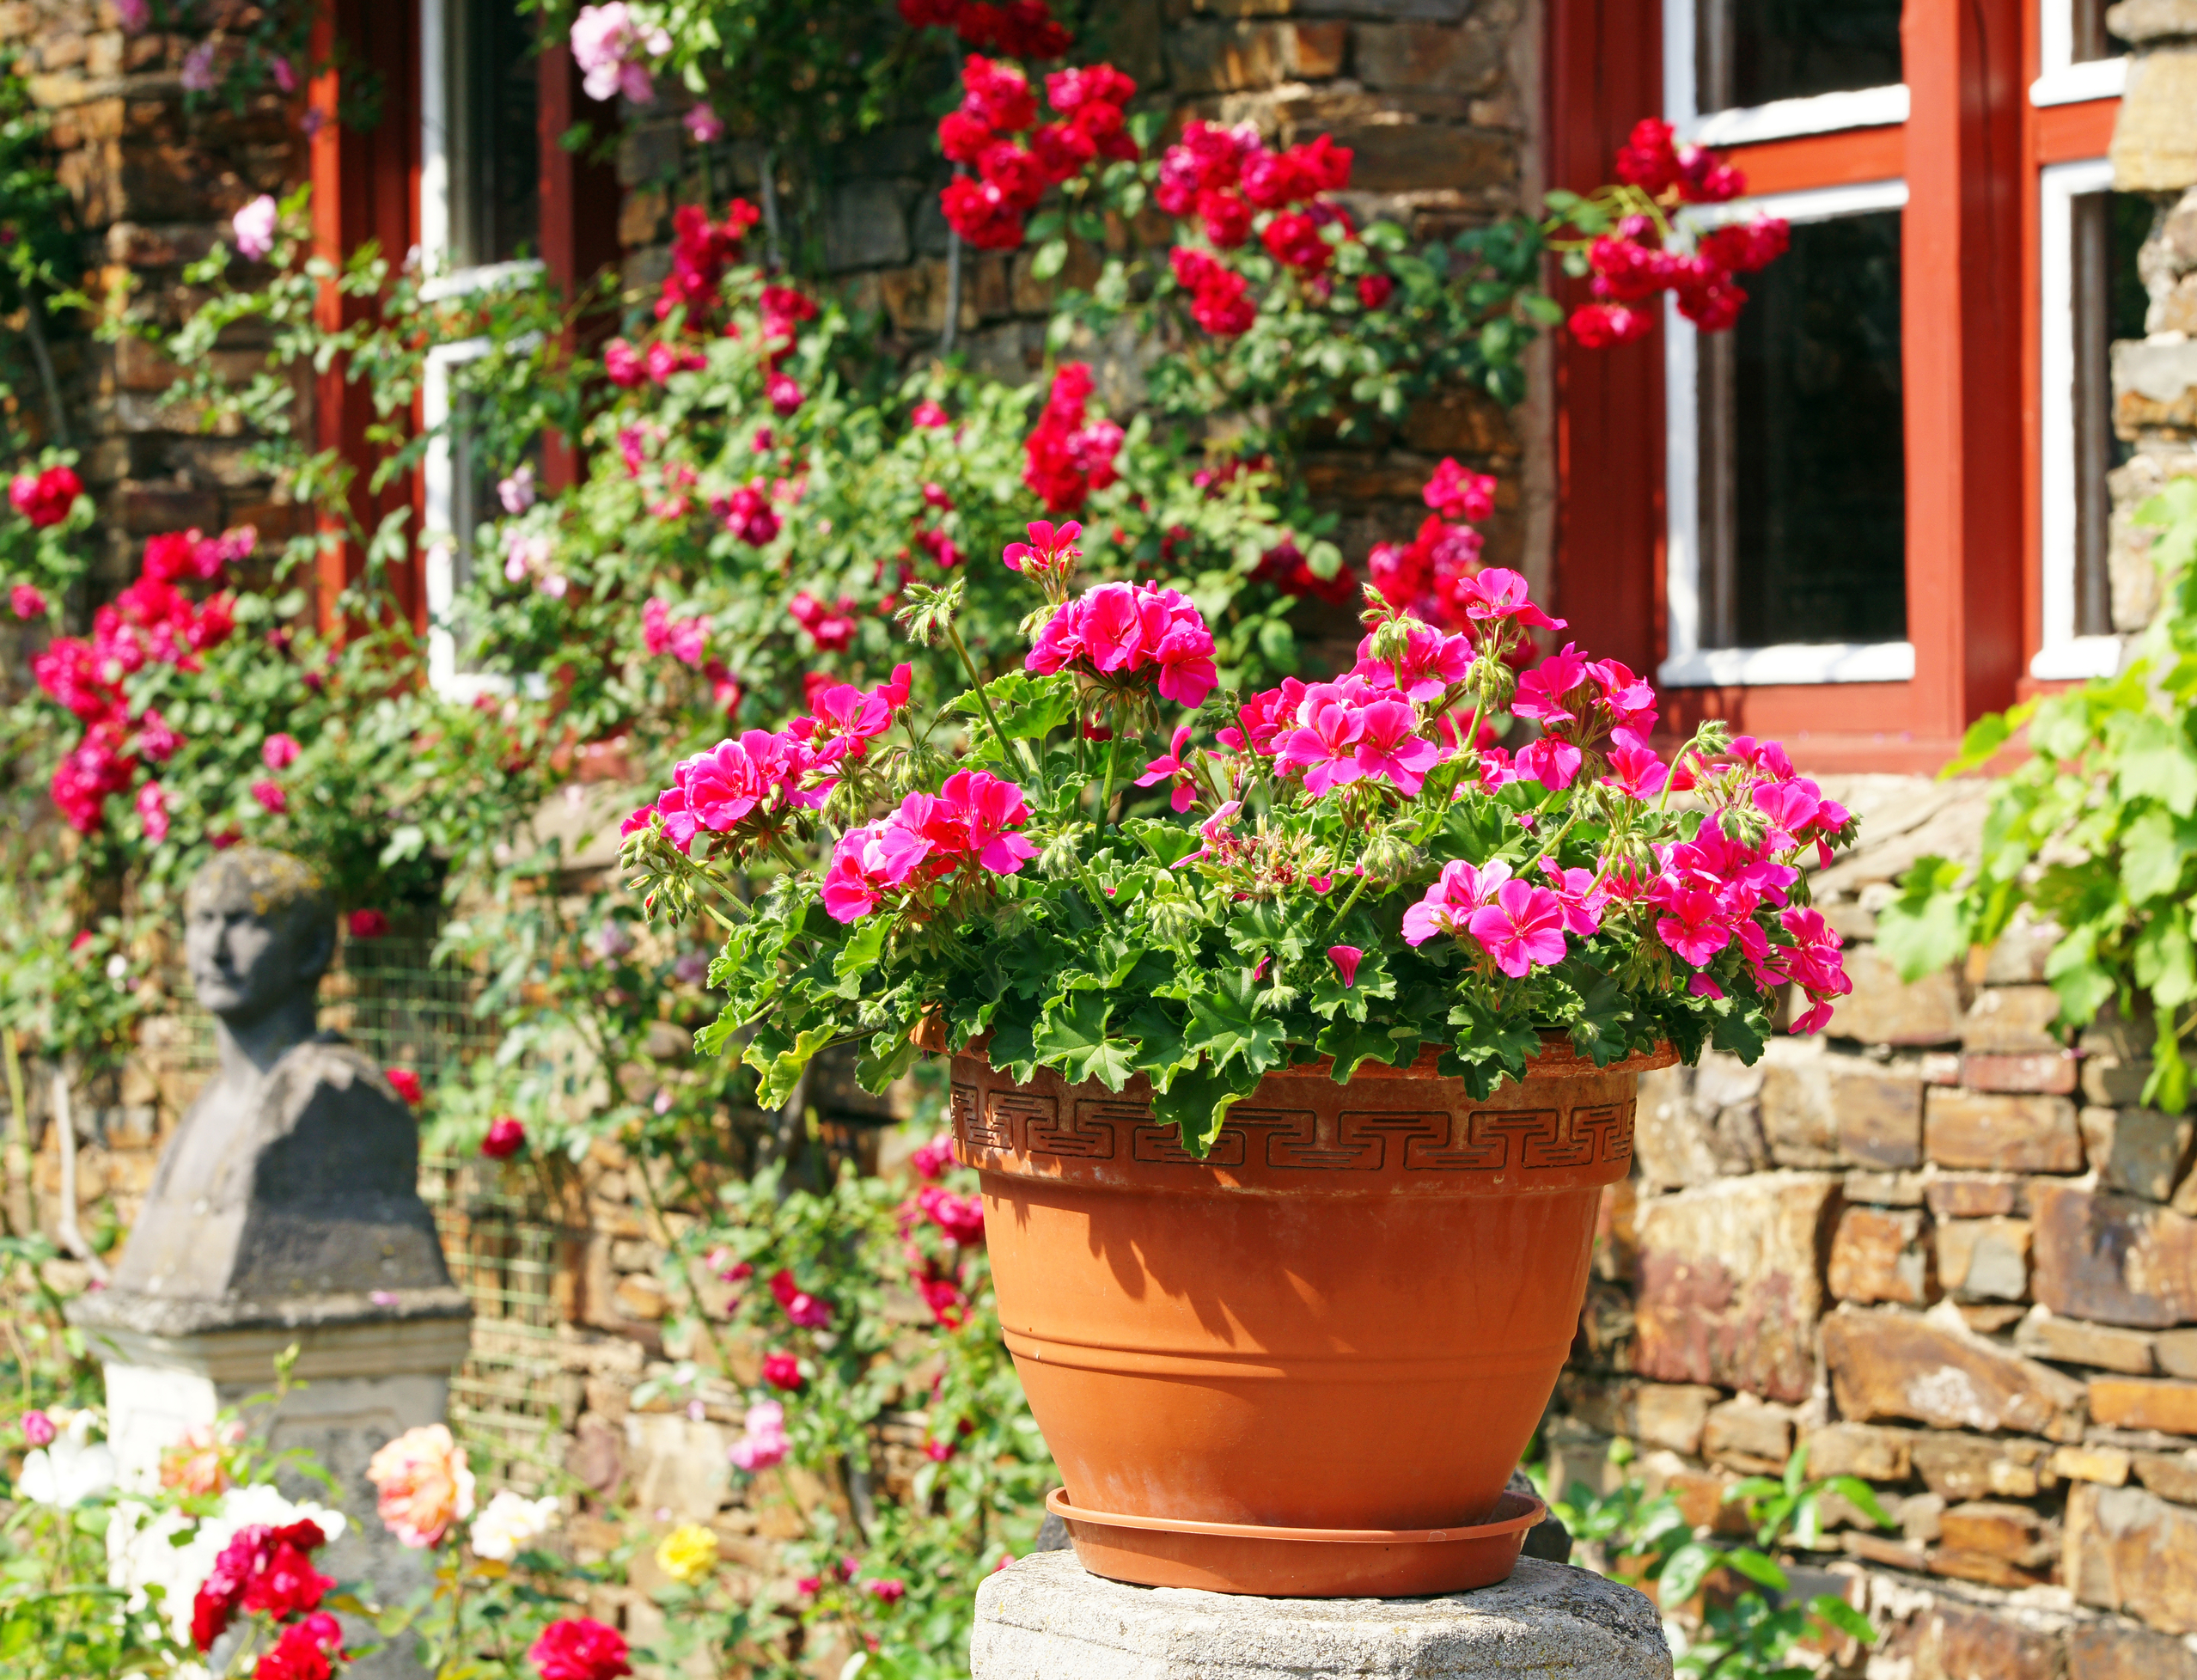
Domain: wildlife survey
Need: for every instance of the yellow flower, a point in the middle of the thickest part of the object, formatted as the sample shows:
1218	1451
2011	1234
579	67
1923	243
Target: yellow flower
687	1553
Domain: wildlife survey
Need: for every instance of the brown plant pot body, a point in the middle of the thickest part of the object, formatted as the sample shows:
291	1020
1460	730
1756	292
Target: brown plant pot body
1350	1317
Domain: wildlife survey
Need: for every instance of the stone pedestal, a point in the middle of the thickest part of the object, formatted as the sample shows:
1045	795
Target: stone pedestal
358	1382
1046	1618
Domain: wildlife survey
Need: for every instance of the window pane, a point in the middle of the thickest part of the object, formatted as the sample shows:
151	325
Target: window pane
1803	493
2109	303
1752	51
495	167
2092	39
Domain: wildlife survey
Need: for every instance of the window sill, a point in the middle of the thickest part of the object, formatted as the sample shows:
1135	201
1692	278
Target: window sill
488	277
1788	664
1785	118
2070	84
2075	661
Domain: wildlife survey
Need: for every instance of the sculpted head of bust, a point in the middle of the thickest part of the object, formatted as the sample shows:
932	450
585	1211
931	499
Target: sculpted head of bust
259	930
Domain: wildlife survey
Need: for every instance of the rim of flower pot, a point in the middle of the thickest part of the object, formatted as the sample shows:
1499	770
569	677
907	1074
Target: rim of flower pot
1518	1513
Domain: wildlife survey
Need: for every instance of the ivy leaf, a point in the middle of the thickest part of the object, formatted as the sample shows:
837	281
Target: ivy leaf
1196	1102
2165	963
2075	973
2153	850
2155	759
1226	1026
1929	925
1073	1039
779	1057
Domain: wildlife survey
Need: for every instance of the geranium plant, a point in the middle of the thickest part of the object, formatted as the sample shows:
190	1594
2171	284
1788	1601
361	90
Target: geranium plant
1103	865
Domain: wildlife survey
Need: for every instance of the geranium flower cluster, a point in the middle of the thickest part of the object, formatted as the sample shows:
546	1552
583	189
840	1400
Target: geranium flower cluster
1068	455
152	622
1020	29
1637	262
970	824
996	130
265	1569
1125	636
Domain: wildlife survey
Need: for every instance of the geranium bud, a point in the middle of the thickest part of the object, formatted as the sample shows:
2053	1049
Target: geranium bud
1388	861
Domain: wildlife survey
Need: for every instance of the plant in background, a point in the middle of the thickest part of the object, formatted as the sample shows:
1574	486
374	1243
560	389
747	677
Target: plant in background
1349	869
1746	1634
2094	835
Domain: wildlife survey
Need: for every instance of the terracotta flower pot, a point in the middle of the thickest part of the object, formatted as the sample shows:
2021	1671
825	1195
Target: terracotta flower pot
1348	1319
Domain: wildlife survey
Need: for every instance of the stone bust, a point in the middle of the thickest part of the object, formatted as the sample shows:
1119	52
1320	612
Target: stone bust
288	1195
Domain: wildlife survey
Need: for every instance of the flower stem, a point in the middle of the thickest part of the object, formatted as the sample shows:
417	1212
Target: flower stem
983	700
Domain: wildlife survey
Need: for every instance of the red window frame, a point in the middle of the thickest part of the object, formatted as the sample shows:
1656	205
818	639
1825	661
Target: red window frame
366	187
1963	289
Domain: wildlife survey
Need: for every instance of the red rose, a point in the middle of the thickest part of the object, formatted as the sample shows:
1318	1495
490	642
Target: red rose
506	1137
578	1648
406	1084
369	924
46	499
781	1371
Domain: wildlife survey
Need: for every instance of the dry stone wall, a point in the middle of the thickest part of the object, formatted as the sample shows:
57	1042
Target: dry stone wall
1944	1249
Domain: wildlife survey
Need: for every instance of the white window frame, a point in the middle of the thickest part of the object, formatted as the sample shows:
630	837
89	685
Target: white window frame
438	472
2062	655
2061	80
1689	664
1779	119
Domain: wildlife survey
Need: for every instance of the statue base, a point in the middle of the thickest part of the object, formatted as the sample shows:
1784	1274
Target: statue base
358	1382
1046	1618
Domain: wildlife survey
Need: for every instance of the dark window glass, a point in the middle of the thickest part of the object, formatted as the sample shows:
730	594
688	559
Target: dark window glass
496	166
2109	302
2092	38
1803	491
1752	51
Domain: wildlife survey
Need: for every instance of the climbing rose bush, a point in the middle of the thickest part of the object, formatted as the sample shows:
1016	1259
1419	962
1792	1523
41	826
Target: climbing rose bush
1107	864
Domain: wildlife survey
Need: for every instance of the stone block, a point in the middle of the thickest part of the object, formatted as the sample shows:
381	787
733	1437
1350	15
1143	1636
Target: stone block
1947	1641
2175	1352
2154	148
677	1465
1984	1260
1968	1467
2112	1259
1428	56
2108	1466
1886	1363
1962	1197
1868	1451
1885	1189
2165	1404
1224	58
2118	1650
2131	1551
1696	1125
2171	1476
1998	1528
2115	1083
1672	1415
1426	157
1044	1617
2012	1020
865	225
2052	1072
2155	380
1745	1435
2043	1335
1882	1009
1459	421
2138	1150
1832	1111
1880	1254
1314	51
1731	1287
1965	1128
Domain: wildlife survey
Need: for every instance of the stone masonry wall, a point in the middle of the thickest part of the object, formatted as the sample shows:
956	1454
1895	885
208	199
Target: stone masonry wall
1945	1250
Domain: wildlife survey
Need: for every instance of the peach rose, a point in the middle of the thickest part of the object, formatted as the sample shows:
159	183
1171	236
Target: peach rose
199	1463
424	1482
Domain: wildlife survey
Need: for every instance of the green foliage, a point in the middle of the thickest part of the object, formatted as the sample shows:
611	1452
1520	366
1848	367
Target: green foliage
1748	1632
2095	833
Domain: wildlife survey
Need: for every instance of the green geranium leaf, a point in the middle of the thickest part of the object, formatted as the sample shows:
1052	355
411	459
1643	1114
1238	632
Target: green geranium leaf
1196	1102
1071	1036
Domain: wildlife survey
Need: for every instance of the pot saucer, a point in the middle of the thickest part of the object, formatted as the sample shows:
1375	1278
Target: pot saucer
1299	1563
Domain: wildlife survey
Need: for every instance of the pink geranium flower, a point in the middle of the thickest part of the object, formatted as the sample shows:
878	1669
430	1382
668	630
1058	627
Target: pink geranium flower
1387	746
1522	928
1174	763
